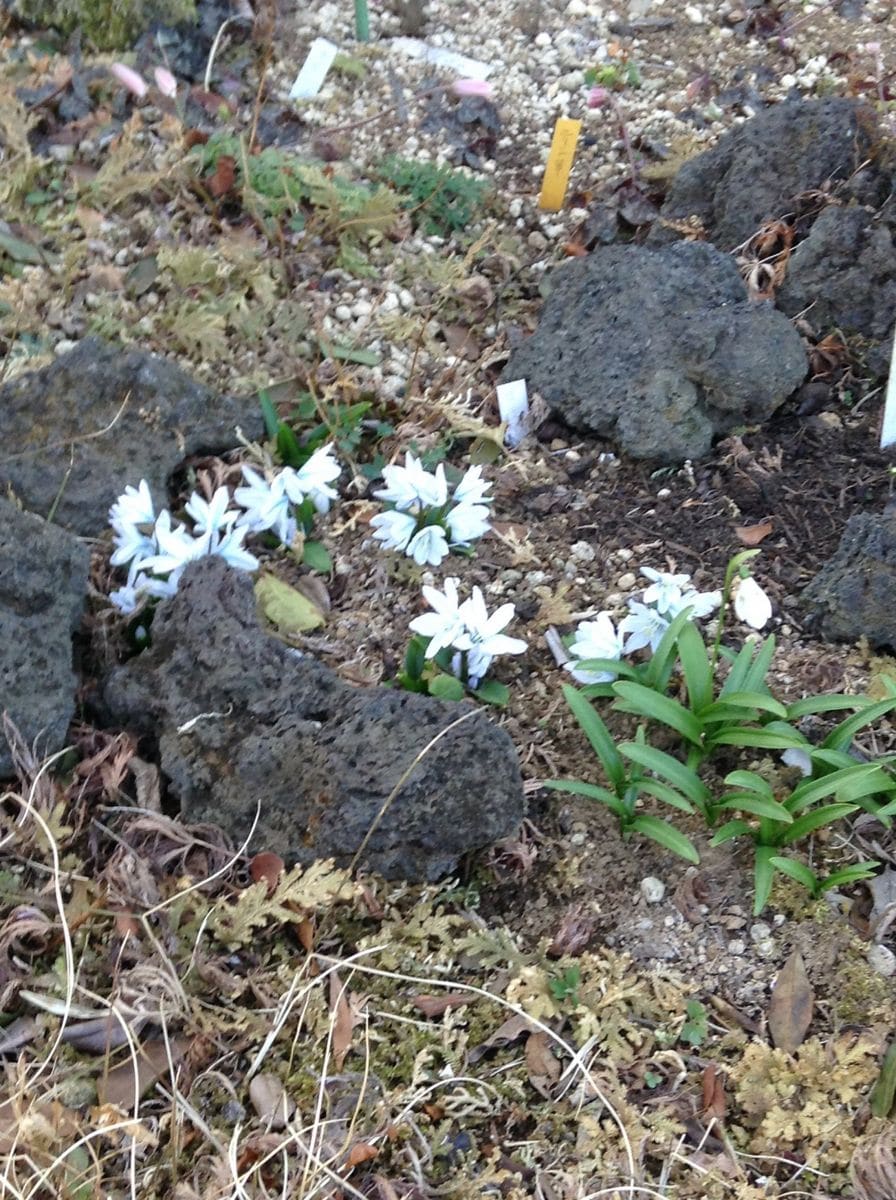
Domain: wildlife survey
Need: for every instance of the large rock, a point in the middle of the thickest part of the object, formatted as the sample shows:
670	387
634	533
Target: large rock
852	595
843	276
755	172
659	348
43	583
243	721
100	417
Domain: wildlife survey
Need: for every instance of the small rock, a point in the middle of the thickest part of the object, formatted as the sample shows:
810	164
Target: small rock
882	960
390	303
362	308
582	552
694	15
577	8
626	582
736	946
759	931
652	889
342	312
542	40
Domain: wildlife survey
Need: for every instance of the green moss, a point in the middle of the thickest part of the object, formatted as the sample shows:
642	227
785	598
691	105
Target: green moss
107	24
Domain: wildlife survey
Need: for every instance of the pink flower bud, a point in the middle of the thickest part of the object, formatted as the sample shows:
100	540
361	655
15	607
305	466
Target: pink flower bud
473	87
598	97
165	81
132	80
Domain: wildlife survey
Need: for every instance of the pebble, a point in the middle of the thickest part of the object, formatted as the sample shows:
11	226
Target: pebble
577	8
694	15
882	960
64	346
542	40
582	552
390	303
626	582
362	308
342	312
406	298
625	555
652	889
736	946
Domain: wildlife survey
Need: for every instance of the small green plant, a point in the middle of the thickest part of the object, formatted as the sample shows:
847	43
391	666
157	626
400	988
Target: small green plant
714	718
695	1029
565	987
441	201
274	186
434	677
615	76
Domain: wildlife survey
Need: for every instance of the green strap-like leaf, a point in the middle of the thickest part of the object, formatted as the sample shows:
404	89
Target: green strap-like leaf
840	738
763	874
823	704
666	835
696	667
796	870
645	702
662	791
731	829
597	734
749	702
759	807
750	782
807	824
592	790
682	778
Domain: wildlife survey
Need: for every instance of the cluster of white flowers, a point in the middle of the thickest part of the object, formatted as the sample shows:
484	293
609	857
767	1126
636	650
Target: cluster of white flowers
156	550
425	523
647	621
466	628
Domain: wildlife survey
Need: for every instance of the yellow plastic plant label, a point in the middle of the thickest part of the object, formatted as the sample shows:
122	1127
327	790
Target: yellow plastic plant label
559	164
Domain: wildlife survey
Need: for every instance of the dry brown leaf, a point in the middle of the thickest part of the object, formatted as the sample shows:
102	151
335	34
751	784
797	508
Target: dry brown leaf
148	783
154	1060
577	927
223	177
462	341
542	1065
713	1093
511	1031
343	1022
733	1017
752	535
435	1006
791	1006
270	1101
361	1152
267	866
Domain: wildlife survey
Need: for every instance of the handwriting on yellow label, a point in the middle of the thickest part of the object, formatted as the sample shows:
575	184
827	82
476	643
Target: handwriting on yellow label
559	164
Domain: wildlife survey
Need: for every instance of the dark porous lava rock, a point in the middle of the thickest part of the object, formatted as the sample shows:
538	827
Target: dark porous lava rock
43	584
843	277
757	172
852	595
659	348
244	722
78	431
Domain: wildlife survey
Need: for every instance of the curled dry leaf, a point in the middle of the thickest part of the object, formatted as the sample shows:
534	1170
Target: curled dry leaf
752	535
713	1093
361	1152
873	1167
270	1101
267	866
511	1031
135	1077
542	1065
435	1006
576	931
792	1005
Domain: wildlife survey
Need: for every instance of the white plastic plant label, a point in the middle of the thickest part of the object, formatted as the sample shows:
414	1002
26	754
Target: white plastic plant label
888	429
513	406
314	70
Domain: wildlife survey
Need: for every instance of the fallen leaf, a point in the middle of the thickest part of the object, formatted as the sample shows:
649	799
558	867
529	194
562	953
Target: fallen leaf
733	1017
361	1152
752	535
270	1101
435	1006
542	1065
222	179
130	1078
791	1006
511	1031
577	927
102	1034
18	1033
341	1015
269	867
285	607
462	341
713	1093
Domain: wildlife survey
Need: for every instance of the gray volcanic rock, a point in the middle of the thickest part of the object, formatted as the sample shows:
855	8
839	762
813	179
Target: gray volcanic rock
843	275
243	721
659	348
43	584
852	595
755	172
104	416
